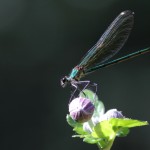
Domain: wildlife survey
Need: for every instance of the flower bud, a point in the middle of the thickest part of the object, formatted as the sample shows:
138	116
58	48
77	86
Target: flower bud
112	113
81	109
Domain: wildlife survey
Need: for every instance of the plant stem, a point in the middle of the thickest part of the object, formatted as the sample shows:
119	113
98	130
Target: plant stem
108	147
91	125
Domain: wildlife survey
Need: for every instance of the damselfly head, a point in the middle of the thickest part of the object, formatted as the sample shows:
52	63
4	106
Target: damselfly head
64	81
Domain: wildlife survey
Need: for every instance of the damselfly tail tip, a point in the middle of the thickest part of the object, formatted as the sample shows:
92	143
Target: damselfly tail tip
127	12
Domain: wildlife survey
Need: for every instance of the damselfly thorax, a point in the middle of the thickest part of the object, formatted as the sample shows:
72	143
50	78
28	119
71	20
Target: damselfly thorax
76	74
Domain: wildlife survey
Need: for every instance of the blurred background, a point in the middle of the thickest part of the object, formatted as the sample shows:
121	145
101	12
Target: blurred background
40	42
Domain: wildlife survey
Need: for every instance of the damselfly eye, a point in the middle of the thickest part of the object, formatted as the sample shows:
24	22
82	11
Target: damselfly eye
64	81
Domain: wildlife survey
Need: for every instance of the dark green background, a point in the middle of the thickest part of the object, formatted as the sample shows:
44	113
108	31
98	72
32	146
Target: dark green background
40	41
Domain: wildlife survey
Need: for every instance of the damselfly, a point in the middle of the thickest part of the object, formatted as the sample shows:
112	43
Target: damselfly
107	46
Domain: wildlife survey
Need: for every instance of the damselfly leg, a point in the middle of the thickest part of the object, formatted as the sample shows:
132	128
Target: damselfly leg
80	86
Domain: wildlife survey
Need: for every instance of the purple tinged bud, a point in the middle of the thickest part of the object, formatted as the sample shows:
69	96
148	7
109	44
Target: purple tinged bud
81	109
112	113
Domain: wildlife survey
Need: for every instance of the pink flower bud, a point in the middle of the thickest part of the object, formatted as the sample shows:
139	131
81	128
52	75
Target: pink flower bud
81	109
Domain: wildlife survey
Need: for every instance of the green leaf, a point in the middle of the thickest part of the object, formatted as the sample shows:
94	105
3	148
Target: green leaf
91	140
103	142
89	94
126	122
79	130
70	121
99	109
122	132
77	127
103	130
79	136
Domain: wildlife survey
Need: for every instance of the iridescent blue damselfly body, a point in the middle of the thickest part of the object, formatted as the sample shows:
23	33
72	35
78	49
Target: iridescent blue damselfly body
106	47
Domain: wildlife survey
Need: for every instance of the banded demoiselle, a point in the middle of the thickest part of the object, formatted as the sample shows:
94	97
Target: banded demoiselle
107	46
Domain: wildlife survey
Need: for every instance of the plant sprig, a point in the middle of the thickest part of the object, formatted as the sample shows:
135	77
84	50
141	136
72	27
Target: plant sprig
102	128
